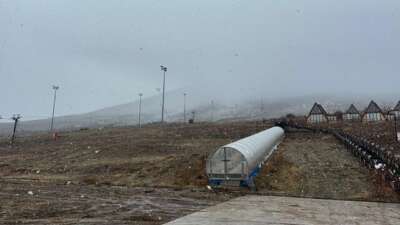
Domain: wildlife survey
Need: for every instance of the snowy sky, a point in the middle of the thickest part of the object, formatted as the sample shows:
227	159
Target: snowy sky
104	53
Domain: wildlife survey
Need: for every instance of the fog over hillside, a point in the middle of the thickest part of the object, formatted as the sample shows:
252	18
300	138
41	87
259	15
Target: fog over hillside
205	110
252	59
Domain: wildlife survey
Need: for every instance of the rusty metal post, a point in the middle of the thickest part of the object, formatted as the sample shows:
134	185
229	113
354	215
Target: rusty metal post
16	119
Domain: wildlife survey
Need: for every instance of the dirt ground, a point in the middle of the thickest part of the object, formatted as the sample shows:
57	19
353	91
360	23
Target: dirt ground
318	166
112	176
153	175
52	203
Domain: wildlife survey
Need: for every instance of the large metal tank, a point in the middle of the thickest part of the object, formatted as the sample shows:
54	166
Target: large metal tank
241	161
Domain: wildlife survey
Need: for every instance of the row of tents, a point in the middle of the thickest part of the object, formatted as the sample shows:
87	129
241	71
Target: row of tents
372	113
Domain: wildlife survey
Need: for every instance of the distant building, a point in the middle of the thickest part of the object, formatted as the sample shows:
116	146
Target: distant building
352	114
373	113
332	118
339	115
389	116
317	114
396	110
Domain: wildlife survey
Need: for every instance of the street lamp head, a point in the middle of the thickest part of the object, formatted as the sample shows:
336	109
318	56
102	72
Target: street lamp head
16	116
163	68
140	94
56	87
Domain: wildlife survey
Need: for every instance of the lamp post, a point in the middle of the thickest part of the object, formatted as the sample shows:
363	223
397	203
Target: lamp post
193	117
164	69
184	107
140	109
55	88
212	110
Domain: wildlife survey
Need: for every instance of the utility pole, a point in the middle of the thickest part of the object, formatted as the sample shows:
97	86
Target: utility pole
212	110
164	69
262	105
55	88
16	118
140	109
396	135
193	116
184	107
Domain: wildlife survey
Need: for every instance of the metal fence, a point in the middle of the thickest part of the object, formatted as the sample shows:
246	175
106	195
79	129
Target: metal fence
370	154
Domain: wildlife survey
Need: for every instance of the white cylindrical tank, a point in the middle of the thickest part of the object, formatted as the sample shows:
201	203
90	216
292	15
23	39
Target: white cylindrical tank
242	159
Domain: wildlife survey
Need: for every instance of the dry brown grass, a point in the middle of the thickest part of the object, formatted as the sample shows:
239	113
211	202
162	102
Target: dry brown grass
279	174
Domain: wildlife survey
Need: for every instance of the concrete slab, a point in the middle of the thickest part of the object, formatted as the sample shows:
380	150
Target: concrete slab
256	210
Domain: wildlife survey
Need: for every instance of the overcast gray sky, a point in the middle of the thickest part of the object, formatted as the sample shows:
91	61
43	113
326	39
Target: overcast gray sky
103	53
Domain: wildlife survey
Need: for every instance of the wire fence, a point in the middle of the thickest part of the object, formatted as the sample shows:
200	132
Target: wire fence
374	156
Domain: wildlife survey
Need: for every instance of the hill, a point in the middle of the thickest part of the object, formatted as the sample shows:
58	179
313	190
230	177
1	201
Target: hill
252	109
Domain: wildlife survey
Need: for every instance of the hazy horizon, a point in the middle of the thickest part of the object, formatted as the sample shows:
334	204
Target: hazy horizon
104	53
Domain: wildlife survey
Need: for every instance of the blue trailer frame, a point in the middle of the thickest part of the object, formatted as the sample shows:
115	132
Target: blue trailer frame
248	182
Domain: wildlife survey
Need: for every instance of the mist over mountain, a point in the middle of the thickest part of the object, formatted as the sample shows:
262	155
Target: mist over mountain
104	53
202	108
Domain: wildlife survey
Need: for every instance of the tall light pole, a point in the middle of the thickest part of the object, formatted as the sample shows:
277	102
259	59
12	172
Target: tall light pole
164	69
262	105
193	116
140	109
55	88
184	107
212	110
